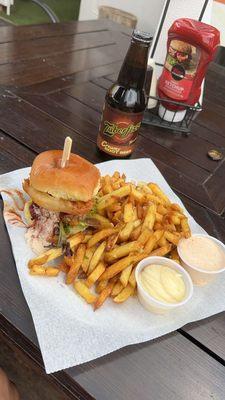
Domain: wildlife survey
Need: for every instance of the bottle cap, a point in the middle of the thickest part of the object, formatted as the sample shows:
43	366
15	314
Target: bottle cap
171	116
143	37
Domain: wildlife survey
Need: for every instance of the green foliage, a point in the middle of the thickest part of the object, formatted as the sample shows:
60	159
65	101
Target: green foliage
25	12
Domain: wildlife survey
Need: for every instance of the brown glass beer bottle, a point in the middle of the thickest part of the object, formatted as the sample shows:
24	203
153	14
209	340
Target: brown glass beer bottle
125	101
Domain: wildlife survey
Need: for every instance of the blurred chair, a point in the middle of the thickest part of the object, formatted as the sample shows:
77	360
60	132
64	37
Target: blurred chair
119	16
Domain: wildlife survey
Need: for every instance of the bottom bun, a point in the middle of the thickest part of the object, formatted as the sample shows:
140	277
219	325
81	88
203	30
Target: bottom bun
58	205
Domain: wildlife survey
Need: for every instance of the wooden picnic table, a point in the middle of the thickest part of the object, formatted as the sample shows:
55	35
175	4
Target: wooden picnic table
53	80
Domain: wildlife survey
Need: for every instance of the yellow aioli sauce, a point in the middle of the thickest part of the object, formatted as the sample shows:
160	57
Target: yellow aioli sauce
163	283
202	252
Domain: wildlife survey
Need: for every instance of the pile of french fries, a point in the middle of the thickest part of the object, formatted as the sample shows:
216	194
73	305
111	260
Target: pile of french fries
134	222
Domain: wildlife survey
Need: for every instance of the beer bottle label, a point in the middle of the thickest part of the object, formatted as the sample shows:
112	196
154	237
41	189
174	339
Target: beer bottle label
118	131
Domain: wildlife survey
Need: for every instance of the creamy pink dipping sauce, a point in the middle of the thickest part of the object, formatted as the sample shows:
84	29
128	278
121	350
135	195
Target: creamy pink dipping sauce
202	253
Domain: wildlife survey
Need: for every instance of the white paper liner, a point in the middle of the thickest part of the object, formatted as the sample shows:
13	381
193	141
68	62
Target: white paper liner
68	330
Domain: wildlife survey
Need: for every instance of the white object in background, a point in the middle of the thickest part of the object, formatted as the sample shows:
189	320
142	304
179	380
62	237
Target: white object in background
218	18
7	4
171	116
152	103
142	9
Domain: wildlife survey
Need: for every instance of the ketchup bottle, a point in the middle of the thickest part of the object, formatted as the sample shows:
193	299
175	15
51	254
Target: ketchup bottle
191	46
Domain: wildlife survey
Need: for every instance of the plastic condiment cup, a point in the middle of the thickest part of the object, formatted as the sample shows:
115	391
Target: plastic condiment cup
148	301
200	277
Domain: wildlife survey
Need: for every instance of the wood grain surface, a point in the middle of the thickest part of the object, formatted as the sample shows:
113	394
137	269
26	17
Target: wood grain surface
53	81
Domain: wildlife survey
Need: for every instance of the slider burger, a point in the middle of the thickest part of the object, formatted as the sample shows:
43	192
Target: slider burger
61	199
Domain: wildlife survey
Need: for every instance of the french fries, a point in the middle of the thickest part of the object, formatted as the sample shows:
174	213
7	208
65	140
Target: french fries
132	279
64	267
96	273
77	262
121	251
104	222
103	295
131	222
121	192
126	231
125	275
45	257
87	258
172	238
116	288
44	271
128	214
124	294
185	228
84	292
76	239
100	286
175	256
161	251
96	257
103	234
111	241
117	267
120	265
135	233
150	217
158	192
144	236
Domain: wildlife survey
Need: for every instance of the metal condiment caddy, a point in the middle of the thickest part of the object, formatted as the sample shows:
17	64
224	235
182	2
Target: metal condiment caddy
151	116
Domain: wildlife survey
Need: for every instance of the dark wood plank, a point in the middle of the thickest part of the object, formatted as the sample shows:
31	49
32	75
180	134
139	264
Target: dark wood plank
112	77
210	334
89	93
212	223
214	187
42	69
31	381
101	82
24	33
57	84
190	147
25	50
212	117
170	368
38	131
13	155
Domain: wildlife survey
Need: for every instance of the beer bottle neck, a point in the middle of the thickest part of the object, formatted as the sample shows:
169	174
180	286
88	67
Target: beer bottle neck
132	73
